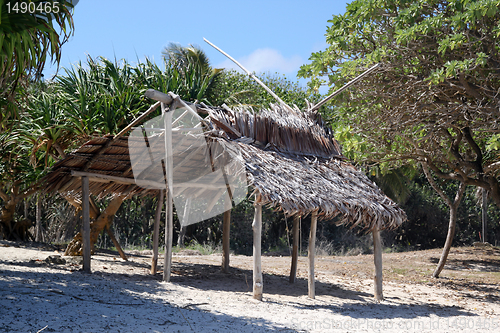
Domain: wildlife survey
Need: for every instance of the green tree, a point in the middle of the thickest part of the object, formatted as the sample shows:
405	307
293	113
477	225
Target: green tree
434	101
27	40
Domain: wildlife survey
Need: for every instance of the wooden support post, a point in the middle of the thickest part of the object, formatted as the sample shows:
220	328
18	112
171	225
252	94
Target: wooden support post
257	266
484	215
169	225
377	254
295	248
312	252
226	227
86	224
156	232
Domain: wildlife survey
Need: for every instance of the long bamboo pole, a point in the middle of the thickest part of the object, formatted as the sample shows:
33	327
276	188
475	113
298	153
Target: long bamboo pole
347	85
249	73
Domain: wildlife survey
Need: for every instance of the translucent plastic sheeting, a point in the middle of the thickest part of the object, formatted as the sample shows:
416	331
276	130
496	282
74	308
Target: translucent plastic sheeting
207	177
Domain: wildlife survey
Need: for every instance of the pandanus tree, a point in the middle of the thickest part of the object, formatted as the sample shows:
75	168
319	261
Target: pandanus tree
27	42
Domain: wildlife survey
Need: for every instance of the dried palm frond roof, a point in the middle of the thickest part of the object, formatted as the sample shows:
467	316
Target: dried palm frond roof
292	161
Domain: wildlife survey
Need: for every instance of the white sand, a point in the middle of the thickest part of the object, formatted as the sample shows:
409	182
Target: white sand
122	297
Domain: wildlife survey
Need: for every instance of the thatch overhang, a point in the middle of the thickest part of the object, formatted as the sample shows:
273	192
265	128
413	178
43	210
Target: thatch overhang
292	161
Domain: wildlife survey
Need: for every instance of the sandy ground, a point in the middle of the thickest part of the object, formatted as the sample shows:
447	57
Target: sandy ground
120	296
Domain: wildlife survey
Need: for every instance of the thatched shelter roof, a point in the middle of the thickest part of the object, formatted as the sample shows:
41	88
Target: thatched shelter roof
292	161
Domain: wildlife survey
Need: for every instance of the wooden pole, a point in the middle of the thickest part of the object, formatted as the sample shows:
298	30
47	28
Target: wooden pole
226	227
156	232
138	120
484	218
257	266
249	74
86	224
377	255
347	85
295	248
312	252
169	225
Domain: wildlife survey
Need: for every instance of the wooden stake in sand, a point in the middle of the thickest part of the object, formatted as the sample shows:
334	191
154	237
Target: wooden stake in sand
295	248
156	233
377	255
312	252
86	224
226	227
257	266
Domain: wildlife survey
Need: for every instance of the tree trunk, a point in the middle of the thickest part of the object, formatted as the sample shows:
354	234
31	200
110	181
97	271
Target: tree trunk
449	240
453	206
494	190
38	222
75	246
115	242
7	218
182	235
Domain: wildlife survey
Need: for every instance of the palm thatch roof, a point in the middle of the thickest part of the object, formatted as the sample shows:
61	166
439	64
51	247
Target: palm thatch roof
292	162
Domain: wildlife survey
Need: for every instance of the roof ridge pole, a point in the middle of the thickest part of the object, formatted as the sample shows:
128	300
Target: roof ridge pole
249	74
347	85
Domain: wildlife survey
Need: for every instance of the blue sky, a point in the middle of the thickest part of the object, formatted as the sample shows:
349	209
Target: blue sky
265	36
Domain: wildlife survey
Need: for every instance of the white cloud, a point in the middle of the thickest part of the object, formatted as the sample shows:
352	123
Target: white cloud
266	60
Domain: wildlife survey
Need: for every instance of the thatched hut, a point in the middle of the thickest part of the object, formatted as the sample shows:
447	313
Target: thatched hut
292	161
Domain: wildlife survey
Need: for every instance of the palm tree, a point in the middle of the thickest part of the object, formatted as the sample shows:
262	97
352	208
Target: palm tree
183	56
26	42
194	66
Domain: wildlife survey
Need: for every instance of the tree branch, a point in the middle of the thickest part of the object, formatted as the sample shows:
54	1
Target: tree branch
436	188
478	165
492	167
4	196
470	90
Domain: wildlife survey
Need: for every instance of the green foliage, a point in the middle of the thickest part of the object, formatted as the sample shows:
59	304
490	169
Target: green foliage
233	88
26	40
434	99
